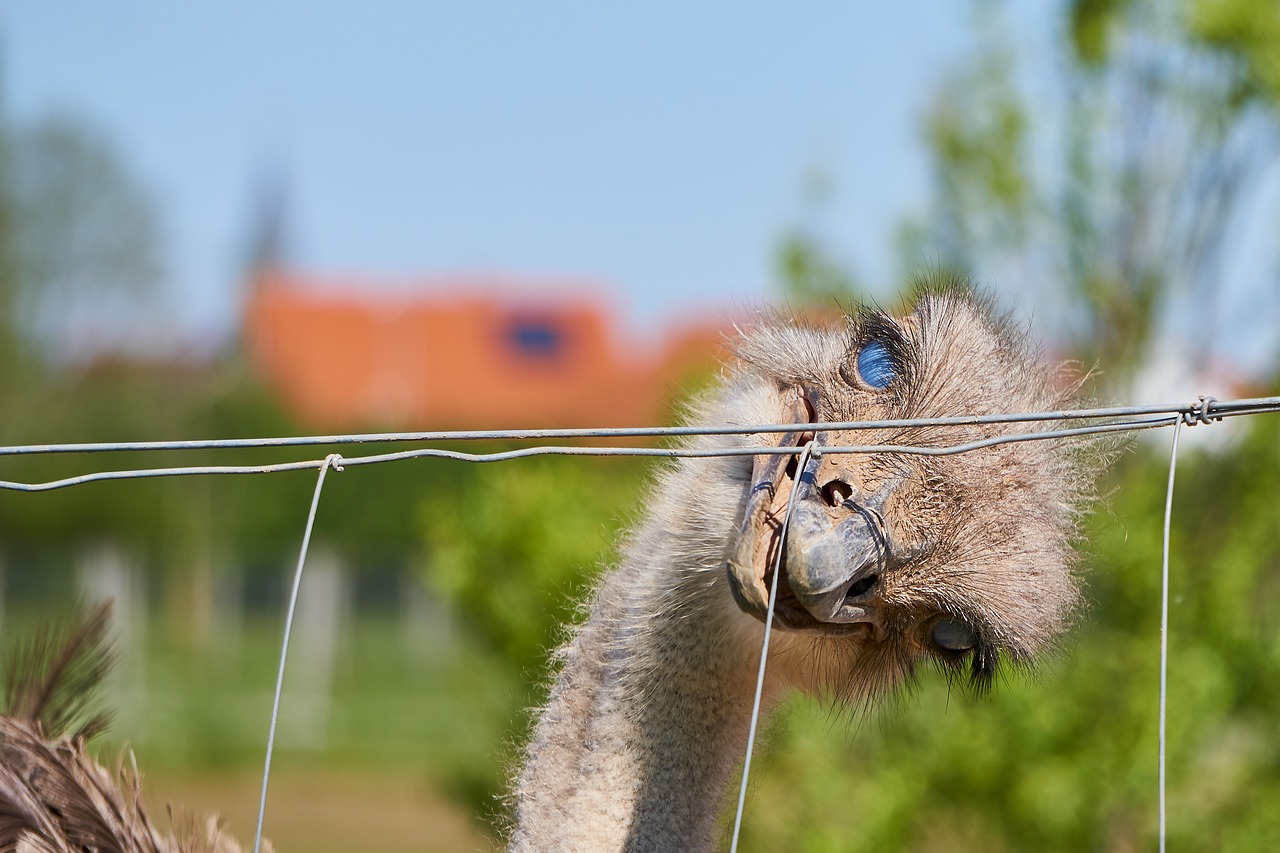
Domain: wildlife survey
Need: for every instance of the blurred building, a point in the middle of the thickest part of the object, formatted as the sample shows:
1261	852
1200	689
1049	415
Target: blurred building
463	354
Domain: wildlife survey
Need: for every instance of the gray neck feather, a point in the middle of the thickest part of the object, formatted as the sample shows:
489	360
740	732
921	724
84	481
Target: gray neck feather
648	718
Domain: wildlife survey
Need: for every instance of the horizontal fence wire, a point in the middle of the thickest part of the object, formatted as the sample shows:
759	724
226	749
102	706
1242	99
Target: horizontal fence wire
1104	420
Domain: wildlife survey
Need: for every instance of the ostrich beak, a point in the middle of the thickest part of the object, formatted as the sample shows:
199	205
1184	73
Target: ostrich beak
833	553
755	549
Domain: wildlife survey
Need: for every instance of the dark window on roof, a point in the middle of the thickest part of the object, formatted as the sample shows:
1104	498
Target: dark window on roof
536	338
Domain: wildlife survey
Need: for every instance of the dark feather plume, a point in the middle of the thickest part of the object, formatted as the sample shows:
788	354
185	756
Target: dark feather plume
54	797
53	679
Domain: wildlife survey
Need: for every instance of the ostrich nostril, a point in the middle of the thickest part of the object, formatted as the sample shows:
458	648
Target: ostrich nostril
836	492
861	586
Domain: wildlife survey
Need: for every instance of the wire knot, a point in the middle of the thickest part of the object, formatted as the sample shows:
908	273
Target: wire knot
1200	412
334	461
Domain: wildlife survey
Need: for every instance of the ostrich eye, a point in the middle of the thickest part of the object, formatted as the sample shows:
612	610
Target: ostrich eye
876	365
954	636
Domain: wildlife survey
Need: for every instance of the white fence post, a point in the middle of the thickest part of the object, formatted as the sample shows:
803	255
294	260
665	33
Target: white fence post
317	629
105	572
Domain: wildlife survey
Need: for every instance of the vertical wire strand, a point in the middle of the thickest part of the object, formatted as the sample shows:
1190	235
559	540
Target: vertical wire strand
1164	624
803	462
333	460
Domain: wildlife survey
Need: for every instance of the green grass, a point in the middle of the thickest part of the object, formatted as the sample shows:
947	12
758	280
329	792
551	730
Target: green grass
441	712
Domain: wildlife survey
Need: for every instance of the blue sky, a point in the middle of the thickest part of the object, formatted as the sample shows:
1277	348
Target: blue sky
659	149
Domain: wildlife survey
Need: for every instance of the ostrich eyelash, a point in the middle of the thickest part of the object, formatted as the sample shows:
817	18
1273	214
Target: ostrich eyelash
879	355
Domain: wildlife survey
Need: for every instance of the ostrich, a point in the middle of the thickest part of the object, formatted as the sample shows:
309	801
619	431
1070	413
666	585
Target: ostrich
891	560
54	797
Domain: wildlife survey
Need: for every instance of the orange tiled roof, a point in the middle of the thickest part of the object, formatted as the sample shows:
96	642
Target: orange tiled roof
340	358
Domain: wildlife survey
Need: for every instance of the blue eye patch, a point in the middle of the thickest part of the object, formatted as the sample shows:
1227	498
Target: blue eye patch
876	365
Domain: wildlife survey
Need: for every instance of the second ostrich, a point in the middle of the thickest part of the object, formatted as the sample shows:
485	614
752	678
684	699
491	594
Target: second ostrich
890	561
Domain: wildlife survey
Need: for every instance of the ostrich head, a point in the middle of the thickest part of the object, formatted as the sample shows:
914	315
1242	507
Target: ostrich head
893	559
889	560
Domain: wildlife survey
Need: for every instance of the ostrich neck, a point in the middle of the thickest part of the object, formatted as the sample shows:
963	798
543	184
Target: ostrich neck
648	718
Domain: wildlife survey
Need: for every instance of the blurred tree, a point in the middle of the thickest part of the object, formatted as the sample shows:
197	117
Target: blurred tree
513	546
88	244
53	232
809	277
983	196
11	367
1123	185
86	354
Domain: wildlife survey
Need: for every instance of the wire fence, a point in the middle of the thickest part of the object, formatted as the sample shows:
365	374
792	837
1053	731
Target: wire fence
1102	420
1092	422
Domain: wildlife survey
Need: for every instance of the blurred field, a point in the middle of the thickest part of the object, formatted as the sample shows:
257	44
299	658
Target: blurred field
325	810
405	753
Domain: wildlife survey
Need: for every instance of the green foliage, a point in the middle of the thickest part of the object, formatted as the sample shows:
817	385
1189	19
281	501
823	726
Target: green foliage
810	277
1246	33
1166	117
984	192
1092	23
513	546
